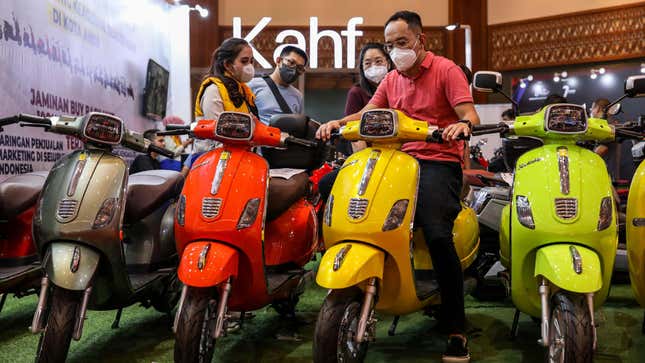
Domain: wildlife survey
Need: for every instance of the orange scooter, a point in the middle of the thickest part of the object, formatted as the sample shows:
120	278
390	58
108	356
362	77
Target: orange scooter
244	237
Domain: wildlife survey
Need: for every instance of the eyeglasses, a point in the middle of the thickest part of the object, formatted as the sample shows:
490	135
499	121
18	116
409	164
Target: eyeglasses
399	43
300	68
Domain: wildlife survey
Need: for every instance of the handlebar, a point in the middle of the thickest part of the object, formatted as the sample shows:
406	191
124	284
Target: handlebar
173	132
302	142
437	138
177	127
500	128
22	117
160	150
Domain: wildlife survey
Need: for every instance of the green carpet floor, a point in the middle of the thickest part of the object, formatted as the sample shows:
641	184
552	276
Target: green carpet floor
145	335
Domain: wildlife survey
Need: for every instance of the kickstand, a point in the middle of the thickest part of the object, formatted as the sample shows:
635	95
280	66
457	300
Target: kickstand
117	319
516	321
242	316
2	300
392	329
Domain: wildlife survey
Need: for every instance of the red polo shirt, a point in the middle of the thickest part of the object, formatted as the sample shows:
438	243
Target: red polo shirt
430	96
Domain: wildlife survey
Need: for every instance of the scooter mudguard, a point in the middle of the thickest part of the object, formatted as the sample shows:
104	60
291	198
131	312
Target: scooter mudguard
70	265
635	228
205	264
557	264
348	264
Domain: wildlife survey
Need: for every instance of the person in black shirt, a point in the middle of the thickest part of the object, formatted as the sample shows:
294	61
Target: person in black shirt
148	161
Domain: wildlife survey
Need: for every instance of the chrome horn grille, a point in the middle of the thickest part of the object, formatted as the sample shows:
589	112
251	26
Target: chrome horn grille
67	209
210	207
357	207
566	208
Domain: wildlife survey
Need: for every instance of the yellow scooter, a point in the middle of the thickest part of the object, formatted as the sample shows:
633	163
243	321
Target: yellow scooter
375	261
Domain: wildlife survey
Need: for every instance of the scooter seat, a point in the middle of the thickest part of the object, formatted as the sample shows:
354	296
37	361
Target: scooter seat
284	192
149	190
19	192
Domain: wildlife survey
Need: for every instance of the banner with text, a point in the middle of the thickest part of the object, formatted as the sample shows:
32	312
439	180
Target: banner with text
71	57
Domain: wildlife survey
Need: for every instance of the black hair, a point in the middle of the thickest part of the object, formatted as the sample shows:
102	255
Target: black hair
509	113
467	72
150	134
293	49
411	18
363	82
226	54
553	98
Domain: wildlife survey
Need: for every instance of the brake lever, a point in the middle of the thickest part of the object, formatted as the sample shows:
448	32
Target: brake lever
31	124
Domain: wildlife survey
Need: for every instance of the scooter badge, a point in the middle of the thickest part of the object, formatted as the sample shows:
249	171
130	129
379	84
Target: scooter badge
340	257
76	259
202	257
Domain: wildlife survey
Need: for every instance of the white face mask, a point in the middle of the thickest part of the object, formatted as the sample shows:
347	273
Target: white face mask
376	73
404	58
247	73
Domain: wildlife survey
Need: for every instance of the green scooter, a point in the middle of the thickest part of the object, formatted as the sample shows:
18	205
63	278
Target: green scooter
558	236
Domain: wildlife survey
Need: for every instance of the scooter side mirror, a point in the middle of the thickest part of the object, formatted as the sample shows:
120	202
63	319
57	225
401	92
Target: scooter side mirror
487	81
614	110
635	86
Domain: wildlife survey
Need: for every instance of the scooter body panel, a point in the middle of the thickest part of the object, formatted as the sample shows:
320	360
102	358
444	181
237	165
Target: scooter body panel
505	237
348	264
71	265
76	188
541	176
16	242
551	262
205	264
635	228
293	236
394	177
244	177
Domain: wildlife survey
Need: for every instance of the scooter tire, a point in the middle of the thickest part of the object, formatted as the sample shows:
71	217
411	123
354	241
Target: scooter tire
572	313
338	304
196	316
54	342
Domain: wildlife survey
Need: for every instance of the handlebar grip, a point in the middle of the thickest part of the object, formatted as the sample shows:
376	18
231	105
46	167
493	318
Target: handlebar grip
301	142
173	132
177	127
8	120
34	119
437	138
160	150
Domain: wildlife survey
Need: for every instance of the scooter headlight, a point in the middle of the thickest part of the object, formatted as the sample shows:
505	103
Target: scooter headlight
105	213
328	208
524	213
181	210
395	217
604	220
249	214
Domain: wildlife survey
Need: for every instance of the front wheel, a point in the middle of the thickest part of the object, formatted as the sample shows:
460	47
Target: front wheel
54	341
336	328
570	330
194	342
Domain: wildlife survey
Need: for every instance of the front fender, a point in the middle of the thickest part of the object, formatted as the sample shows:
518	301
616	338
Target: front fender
555	263
217	261
361	262
64	272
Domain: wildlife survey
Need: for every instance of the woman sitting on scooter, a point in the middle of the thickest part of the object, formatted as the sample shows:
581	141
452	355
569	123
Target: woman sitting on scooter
224	89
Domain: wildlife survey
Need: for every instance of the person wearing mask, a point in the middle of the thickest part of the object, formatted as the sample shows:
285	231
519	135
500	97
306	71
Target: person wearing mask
224	89
148	161
175	143
432	88
275	93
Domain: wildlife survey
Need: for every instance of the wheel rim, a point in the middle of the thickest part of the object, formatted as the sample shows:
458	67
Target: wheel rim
348	350
557	347
206	342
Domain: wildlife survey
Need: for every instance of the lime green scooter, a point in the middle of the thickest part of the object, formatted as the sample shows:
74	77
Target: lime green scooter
558	237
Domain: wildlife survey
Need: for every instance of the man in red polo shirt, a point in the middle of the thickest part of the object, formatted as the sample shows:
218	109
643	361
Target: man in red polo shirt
432	88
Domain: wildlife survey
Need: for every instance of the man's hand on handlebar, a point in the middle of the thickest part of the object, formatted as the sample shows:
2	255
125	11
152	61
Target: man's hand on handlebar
324	131
452	132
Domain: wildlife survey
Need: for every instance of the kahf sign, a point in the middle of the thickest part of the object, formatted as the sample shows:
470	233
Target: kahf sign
314	36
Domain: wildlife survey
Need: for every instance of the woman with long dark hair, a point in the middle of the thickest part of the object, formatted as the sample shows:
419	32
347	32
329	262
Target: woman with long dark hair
374	63
224	88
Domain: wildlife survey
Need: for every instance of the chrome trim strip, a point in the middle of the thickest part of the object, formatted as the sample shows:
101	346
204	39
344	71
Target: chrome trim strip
219	171
576	259
563	166
369	169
